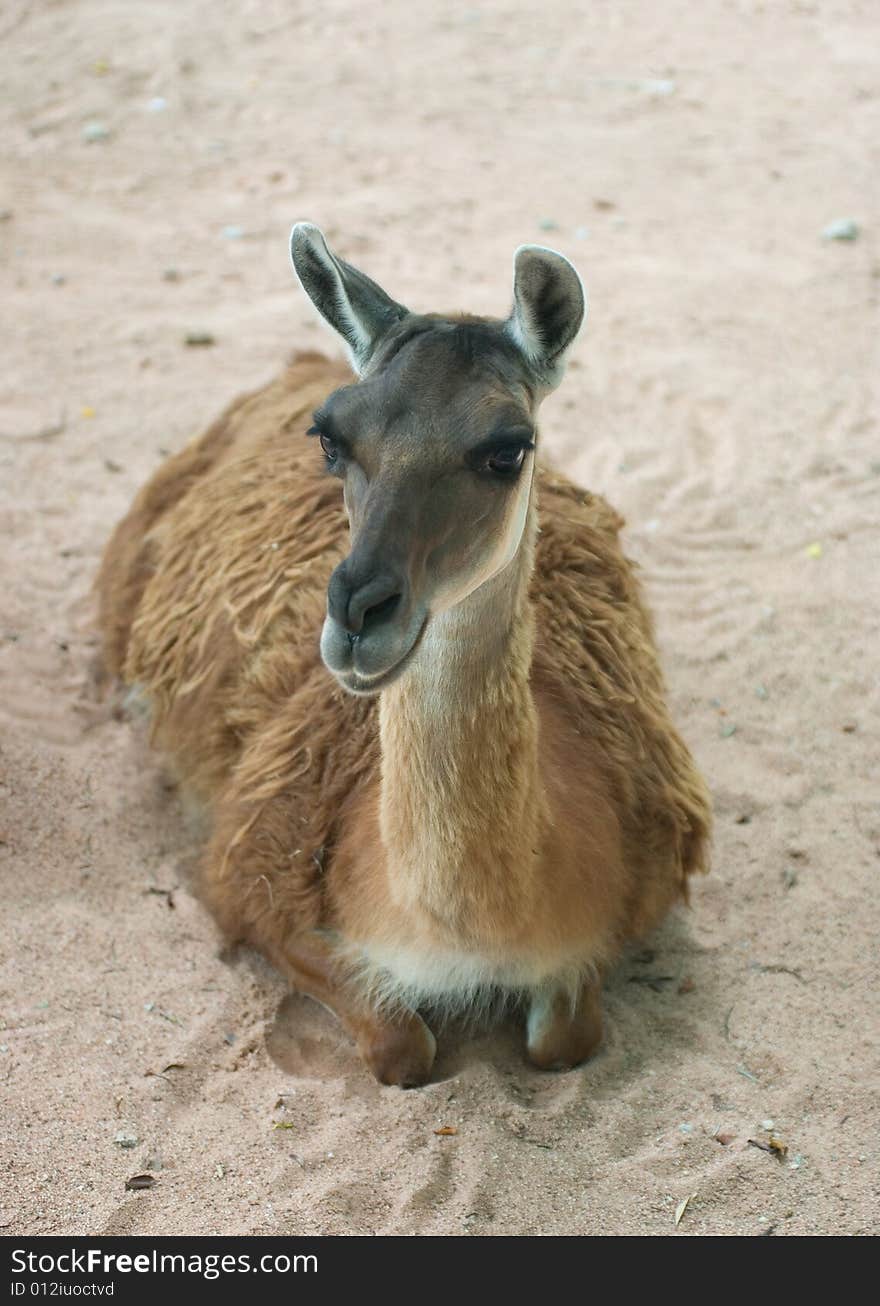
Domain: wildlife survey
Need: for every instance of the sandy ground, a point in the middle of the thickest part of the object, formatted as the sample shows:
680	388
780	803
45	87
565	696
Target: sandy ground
725	397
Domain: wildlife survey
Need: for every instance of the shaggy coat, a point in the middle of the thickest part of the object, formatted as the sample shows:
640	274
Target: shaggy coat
212	595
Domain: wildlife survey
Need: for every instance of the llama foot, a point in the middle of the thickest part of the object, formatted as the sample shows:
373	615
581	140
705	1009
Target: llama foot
561	1033
398	1049
399	1052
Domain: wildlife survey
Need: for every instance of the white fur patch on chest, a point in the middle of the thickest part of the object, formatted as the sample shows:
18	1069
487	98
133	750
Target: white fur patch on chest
456	983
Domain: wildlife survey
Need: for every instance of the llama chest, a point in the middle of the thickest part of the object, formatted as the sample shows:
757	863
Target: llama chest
456	981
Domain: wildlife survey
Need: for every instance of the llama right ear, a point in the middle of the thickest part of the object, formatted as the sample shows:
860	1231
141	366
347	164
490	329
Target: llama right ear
353	304
548	309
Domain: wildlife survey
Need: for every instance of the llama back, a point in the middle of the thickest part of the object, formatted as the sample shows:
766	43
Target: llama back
595	647
212	588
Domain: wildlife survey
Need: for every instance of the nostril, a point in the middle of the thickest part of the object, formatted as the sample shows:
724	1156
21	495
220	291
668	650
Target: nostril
361	608
380	612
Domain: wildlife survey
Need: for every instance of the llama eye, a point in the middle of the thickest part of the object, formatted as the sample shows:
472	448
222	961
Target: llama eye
331	451
506	460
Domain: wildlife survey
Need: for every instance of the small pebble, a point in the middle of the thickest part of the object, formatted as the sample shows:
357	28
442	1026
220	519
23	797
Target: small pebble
548	224
789	877
760	691
232	233
139	1181
658	86
727	730
841	229
768	1124
171	274
125	1140
581	233
95	131
157	104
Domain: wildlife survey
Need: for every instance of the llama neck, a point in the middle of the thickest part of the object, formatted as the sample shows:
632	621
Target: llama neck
460	805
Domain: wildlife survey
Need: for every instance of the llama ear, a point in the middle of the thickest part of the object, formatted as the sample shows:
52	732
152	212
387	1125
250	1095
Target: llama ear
353	304
548	308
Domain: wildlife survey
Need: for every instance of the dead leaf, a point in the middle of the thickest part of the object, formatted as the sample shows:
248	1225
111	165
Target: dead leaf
774	1146
682	1207
284	1124
446	1131
138	1181
724	1139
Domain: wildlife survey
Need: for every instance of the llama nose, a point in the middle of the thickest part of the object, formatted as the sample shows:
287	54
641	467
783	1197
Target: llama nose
360	608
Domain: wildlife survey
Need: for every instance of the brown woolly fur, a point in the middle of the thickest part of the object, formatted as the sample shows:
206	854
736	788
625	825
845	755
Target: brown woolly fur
212	596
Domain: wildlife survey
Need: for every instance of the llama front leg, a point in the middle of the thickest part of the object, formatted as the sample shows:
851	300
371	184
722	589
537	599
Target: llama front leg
563	1030
399	1049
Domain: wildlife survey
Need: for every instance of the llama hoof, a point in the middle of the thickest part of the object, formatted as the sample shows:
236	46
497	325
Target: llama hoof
402	1055
559	1060
559	1038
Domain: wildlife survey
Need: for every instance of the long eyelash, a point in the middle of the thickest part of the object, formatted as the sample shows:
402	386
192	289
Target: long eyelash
319	423
492	446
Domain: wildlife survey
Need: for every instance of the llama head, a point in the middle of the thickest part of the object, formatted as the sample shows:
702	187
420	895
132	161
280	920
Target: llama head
434	445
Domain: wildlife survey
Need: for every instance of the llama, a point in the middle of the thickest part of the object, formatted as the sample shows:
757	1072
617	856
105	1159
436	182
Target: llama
469	786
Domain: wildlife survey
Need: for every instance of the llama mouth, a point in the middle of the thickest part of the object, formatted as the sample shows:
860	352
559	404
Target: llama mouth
367	686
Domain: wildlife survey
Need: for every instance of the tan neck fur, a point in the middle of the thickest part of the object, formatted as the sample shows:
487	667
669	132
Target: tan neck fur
461	803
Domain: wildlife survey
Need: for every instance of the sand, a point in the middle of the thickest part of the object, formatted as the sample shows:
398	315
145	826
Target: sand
724	396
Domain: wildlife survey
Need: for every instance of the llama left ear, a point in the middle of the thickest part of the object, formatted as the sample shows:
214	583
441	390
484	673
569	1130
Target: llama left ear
549	306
